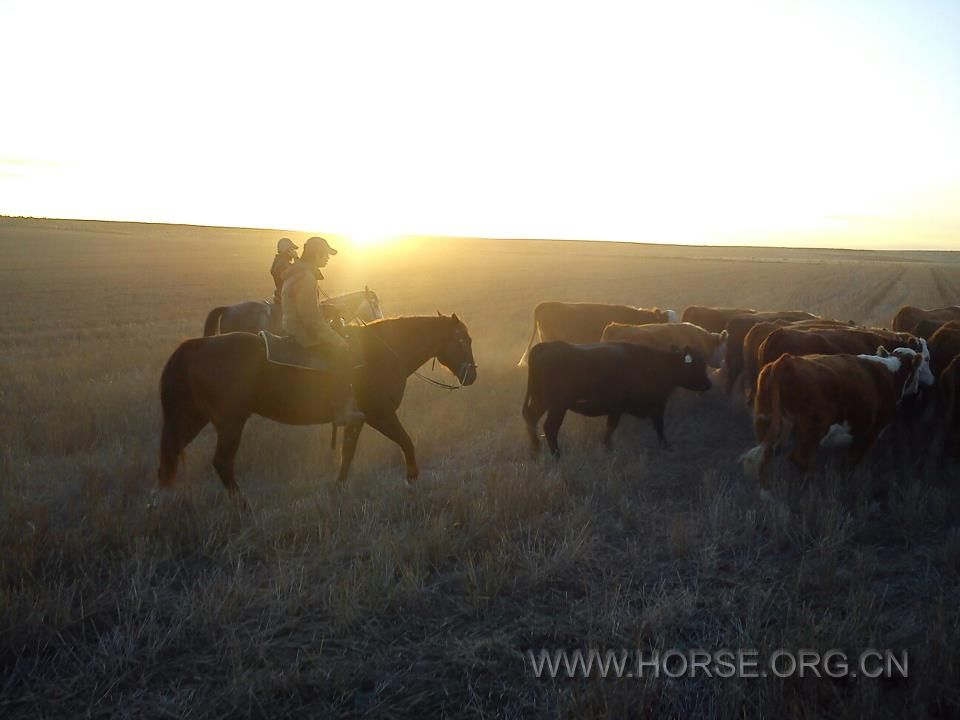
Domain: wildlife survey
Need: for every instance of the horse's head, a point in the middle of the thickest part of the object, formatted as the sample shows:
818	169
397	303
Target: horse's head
373	302
456	352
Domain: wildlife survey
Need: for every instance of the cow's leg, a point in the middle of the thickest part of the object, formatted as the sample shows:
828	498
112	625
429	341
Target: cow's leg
763	471
551	427
532	412
657	419
807	437
858	449
228	442
390	426
613	419
351	435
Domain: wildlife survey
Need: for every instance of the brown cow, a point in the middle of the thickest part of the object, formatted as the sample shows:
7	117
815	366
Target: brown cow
821	337
755	337
828	401
926	327
948	400
908	317
584	322
825	340
671	336
944	345
605	379
737	328
713	319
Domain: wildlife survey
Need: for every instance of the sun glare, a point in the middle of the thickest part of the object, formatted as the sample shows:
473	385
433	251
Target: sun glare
368	241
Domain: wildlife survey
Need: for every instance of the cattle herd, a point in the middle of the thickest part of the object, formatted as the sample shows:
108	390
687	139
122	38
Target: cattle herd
811	382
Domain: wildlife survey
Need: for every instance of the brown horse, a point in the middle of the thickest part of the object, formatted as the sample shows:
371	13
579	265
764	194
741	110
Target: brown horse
225	379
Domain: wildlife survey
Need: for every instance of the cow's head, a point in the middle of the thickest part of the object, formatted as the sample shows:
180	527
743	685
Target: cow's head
925	374
718	342
906	363
692	370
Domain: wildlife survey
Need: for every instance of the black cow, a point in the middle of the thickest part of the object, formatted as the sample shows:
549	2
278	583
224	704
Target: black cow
605	379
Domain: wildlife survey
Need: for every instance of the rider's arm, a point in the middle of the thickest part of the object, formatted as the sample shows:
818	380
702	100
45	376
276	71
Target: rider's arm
312	316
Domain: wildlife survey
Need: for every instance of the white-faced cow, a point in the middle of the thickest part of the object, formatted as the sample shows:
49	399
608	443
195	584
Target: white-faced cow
829	401
584	322
826	340
605	379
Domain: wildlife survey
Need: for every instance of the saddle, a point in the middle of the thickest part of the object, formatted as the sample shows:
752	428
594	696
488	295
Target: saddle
285	350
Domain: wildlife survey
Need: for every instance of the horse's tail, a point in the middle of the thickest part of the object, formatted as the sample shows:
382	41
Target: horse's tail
182	419
212	324
523	358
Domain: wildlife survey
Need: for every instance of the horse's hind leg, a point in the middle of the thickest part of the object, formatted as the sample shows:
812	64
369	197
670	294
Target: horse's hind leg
228	442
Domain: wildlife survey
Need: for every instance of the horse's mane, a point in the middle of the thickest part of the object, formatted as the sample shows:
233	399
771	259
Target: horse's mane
406	323
404	320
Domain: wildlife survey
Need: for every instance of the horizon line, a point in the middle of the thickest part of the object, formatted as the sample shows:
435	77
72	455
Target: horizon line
4	216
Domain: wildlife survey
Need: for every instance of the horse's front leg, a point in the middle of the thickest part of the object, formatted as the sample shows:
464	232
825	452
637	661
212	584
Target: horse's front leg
351	435
389	426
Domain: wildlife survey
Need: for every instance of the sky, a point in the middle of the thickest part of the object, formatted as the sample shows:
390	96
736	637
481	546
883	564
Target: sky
772	122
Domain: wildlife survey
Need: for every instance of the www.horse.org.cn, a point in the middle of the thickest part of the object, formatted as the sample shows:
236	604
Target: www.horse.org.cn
724	663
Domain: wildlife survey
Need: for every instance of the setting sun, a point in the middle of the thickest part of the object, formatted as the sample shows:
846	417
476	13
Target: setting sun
704	124
370	239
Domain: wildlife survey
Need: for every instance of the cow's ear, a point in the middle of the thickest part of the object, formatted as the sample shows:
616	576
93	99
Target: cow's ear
882	351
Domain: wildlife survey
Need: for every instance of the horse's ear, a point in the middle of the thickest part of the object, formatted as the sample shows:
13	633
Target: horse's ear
455	318
439	314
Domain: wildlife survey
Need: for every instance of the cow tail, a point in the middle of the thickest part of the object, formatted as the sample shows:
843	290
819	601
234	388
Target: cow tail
212	324
526	353
771	388
528	400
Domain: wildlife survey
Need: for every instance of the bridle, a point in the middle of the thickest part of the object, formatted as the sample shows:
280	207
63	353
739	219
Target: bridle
461	373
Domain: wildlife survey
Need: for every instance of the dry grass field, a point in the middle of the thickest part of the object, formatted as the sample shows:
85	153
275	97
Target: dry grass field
379	602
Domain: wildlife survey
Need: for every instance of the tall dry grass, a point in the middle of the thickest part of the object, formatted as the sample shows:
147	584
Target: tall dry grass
373	601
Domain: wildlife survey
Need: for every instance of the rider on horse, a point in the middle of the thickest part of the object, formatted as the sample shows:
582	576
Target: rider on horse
286	256
305	320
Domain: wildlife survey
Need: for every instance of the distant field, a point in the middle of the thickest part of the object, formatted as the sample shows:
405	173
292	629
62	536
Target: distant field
375	601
